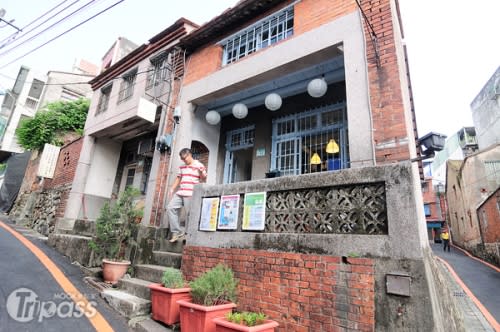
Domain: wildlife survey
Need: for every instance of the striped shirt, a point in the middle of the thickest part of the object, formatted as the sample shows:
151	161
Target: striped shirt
190	175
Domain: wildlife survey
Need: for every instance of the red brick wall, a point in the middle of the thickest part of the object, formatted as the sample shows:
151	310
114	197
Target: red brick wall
302	292
389	126
489	217
66	165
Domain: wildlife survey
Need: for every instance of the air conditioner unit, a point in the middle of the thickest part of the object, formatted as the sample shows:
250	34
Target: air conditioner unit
145	146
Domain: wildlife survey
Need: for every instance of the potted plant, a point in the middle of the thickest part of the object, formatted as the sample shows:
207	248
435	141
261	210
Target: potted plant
164	296
244	322
115	225
213	295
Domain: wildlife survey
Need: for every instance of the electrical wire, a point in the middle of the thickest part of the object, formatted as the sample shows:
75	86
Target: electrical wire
62	34
48	28
39	17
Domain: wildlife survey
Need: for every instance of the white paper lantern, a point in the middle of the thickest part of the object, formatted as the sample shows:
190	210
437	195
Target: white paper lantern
240	111
317	88
212	117
273	101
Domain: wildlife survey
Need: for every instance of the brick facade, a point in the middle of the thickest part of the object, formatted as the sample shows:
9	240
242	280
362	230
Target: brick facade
489	219
302	292
391	136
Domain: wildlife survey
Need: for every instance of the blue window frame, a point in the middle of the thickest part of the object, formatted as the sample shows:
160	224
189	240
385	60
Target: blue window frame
260	35
298	137
427	210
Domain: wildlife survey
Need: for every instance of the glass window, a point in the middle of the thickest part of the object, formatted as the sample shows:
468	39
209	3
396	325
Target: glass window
260	35
127	86
427	210
300	141
104	99
158	71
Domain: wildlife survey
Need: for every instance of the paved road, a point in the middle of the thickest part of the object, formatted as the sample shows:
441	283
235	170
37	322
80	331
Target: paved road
482	280
32	300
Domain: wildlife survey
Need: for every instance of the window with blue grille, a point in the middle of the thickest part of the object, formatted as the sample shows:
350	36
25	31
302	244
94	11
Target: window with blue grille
260	35
299	141
427	210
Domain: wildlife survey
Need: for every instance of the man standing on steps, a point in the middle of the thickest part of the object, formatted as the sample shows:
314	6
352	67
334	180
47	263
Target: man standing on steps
189	174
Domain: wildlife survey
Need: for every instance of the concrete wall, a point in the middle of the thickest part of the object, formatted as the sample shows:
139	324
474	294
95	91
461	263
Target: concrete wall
486	112
402	251
468	184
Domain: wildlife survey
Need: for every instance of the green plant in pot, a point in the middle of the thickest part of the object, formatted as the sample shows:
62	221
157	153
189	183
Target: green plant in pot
164	296
213	295
115	226
246	321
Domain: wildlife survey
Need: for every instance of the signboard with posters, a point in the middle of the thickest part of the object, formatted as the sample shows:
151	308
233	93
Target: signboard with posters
209	210
228	212
254	211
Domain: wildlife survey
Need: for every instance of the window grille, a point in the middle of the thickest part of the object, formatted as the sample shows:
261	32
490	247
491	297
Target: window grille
36	89
297	137
260	35
240	138
158	71
493	171
31	103
104	99
127	86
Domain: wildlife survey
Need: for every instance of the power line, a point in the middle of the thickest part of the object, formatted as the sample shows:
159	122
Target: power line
27	25
62	34
46	29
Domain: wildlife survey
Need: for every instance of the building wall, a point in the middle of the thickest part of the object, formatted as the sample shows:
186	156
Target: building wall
301	292
379	112
486	112
489	215
467	184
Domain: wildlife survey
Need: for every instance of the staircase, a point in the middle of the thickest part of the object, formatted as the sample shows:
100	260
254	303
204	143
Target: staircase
131	298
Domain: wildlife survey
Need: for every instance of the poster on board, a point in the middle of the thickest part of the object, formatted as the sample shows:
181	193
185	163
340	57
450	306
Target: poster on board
209	210
228	212
254	212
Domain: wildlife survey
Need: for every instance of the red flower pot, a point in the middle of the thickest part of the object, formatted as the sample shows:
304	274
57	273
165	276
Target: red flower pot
112	271
199	318
164	307
223	325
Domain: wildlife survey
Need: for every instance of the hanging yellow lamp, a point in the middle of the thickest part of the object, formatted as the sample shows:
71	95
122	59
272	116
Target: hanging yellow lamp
315	159
332	147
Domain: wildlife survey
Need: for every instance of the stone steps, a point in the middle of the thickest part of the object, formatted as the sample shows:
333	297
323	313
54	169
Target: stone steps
149	272
126	304
136	287
165	258
149	325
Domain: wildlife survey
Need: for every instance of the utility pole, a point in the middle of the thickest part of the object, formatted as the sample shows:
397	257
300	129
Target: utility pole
2	14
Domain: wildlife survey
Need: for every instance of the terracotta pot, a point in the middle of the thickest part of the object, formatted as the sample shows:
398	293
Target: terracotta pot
112	271
223	325
164	307
199	318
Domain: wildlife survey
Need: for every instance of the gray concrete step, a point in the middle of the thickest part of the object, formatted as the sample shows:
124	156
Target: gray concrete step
126	304
165	258
149	325
76	247
149	272
136	287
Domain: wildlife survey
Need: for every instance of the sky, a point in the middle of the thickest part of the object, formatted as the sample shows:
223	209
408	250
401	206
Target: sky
453	46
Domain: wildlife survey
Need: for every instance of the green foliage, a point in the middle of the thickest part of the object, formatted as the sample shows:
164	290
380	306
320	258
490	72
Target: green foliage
51	123
172	278
115	225
3	168
216	286
246	318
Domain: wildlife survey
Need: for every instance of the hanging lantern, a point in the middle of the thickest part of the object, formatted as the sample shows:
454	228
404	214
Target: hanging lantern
212	117
315	159
240	111
273	101
332	147
317	88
